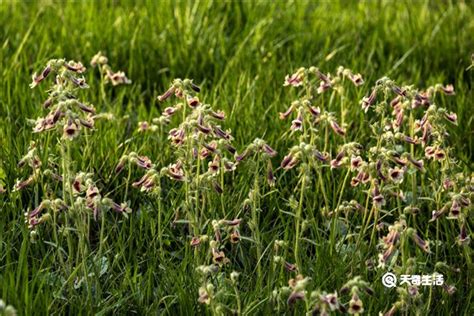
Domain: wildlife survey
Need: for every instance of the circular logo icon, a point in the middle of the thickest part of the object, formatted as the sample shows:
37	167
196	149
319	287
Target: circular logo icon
389	280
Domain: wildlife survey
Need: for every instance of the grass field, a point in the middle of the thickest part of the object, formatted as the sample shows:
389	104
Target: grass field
198	240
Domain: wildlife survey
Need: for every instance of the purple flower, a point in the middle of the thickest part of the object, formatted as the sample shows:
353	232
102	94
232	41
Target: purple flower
193	102
294	80
448	89
220	133
396	174
336	128
417	163
297	124
356	162
337	162
289	162
320	156
420	242
284	115
356	79
368	101
269	150
167	94
452	117
220	115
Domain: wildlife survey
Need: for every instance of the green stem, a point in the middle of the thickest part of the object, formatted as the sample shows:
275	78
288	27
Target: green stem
299	212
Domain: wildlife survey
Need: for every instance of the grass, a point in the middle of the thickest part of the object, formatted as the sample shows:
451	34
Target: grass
239	54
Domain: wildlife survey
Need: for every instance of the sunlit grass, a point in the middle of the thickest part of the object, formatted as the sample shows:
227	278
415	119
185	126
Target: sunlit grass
310	222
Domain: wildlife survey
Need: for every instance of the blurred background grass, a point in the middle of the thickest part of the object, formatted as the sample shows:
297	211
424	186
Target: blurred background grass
239	52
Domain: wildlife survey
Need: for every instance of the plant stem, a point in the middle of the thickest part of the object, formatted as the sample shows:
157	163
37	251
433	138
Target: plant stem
299	212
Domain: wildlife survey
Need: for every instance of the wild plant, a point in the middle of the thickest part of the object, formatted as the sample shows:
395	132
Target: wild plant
80	198
317	302
203	153
216	283
311	154
259	154
107	75
411	147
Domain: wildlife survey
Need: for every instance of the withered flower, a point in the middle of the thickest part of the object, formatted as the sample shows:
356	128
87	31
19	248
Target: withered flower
315	111
377	197
297	124
417	163
176	172
320	156
221	133
143	162
323	86
294	297
204	297
455	209
290	267
463	238
270	175
220	115
217	187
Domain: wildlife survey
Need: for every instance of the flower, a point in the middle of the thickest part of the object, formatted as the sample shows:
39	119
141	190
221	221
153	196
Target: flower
218	257
368	101
289	161
297	124
167	94
71	129
193	102
356	162
295	79
118	78
448	89
420	242
356	79
269	150
396	174
204	297
355	305
336	128
452	117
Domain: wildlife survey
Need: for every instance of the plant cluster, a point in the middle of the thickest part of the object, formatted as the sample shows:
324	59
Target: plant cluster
391	198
